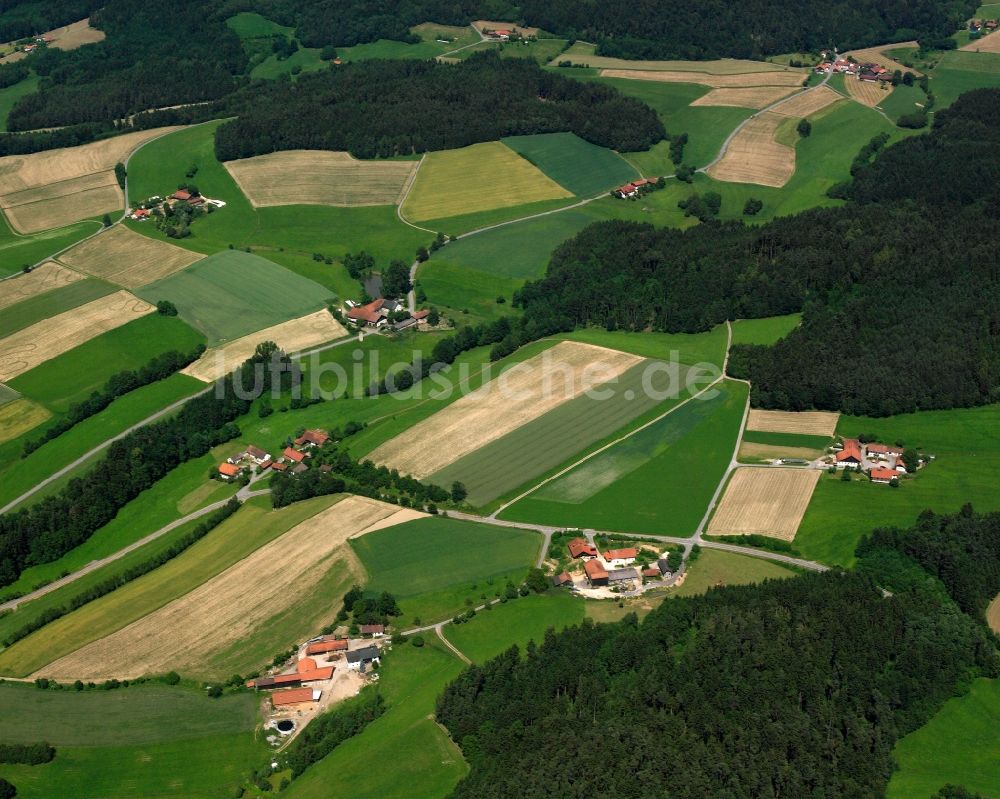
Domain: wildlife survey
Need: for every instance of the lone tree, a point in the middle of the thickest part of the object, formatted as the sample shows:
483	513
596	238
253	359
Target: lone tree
458	492
166	308
396	280
106	220
120	174
804	128
752	207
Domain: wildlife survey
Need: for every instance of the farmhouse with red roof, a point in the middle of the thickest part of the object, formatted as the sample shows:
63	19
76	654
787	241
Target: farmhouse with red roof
579	548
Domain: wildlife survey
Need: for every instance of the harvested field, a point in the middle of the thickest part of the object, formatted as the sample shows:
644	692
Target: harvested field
36	344
810	423
454	182
993	615
19	417
47	277
320	177
76	35
583	54
752	97
56	187
399	517
520	394
790	79
808	103
765	501
987	44
292	336
875	55
751	451
754	156
127	258
232	606
866	92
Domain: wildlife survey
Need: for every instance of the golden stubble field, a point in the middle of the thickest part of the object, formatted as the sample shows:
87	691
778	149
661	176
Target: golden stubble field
519	394
57	187
807	423
233	605
295	335
320	177
43	340
767	501
750	97
715	80
42	279
122	256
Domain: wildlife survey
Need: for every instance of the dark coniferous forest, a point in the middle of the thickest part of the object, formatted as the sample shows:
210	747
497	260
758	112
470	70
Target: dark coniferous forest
796	687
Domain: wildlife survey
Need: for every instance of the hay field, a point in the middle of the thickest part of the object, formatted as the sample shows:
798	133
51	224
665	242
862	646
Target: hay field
725	81
765	501
875	55
233	605
810	423
808	103
993	615
517	396
987	44
751	451
47	277
867	92
69	37
19	417
751	97
36	344
129	259
754	156
320	177
583	54
56	187
481	177
294	335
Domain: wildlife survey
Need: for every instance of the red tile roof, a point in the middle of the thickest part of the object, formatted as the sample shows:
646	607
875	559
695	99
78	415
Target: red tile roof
306	664
266	464
595	571
651	572
564	578
884	474
293	455
323	647
367	313
851	450
279	467
228	469
422	314
621	554
578	548
317	437
370	629
291	696
180	194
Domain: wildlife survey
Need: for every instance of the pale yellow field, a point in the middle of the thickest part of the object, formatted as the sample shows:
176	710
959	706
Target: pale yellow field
750	452
319	177
993	615
518	395
19	417
233	605
128	258
808	103
46	277
57	187
867	92
766	501
76	35
481	177
583	54
43	340
874	55
807	423
752	97
292	336
716	81
754	156
990	43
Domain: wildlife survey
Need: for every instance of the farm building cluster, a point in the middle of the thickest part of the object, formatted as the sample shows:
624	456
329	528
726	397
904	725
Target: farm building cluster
868	71
982	27
382	313
156	205
637	188
614	568
293	458
882	462
39	42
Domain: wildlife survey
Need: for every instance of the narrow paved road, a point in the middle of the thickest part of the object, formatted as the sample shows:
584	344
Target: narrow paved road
439	629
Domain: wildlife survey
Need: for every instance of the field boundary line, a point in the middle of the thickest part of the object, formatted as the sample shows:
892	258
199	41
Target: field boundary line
439	629
406	193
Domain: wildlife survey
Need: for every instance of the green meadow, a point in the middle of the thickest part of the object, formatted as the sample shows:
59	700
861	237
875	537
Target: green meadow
516	621
966	443
305	59
42	306
234	293
435	40
716	567
74	375
960	71
248	25
417	757
694	349
10	95
466	223
786	439
578	166
959	746
764	331
17	251
679	460
447	563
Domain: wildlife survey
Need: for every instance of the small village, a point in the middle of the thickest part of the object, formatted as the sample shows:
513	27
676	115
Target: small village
382	313
883	463
292	459
870	72
627	571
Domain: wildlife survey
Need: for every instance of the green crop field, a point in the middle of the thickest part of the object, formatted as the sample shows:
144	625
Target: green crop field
715	567
418	757
467	295
74	375
435	40
786	439
966	443
516	621
42	306
556	436
481	177
17	251
958	746
305	59
252	527
903	100
694	349
7	394
19	474
432	565
678	461
960	71
582	168
141	741
234	293
10	95
248	25
764	331
18	416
